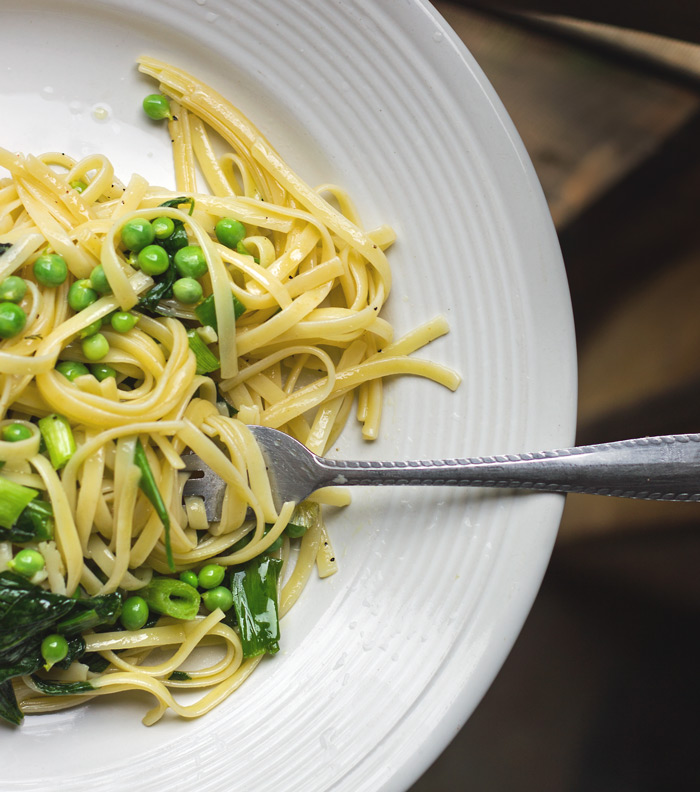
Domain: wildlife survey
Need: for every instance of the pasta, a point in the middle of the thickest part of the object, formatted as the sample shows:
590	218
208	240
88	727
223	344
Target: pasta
120	368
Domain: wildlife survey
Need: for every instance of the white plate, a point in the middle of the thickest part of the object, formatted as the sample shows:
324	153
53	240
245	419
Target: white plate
382	663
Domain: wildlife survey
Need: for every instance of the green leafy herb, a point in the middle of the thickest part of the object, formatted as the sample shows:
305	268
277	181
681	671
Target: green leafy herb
35	524
50	687
179	676
28	613
254	590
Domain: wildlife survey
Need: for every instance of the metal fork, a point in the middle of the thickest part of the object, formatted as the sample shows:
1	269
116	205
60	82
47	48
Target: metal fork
650	468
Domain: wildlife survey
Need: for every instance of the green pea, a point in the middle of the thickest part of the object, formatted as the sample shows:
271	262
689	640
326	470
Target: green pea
13	289
189	577
91	329
50	270
100	371
27	562
190	261
137	233
14	432
71	369
187	290
12	319
219	597
211	576
163	227
229	232
95	347
99	281
157	107
81	295
78	185
123	321
134	613
54	648
153	260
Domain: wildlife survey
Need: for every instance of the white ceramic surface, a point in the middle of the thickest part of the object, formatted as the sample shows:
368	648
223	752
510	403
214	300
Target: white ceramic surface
382	663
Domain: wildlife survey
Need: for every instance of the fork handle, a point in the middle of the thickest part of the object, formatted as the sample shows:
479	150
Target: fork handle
650	468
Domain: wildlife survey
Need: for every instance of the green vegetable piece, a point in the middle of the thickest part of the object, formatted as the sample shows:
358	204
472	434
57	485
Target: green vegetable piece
9	708
54	648
14	498
27	562
100	371
153	260
207	361
229	232
177	240
72	369
171	597
27	614
99	281
179	676
50	270
276	545
189	577
206	311
14	432
137	233
187	290
191	262
123	321
49	687
81	295
135	613
34	524
90	613
306	514
163	227
78	185
219	597
211	575
95	347
150	490
13	289
254	591
12	319
91	329
157	107
58	438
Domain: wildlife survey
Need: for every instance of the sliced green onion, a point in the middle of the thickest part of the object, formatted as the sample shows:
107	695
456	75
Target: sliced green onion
305	515
172	597
58	438
207	361
150	489
14	499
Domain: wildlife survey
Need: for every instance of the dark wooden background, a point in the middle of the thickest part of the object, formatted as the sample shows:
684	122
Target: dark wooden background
601	692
